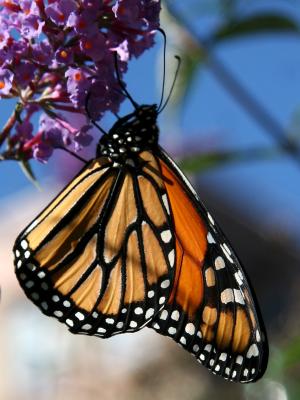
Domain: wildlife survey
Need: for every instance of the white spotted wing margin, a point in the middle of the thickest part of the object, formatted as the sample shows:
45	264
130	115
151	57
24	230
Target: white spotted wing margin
76	266
227	333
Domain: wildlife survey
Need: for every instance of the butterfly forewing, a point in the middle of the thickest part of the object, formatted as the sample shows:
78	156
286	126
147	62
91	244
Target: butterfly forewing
99	257
211	311
128	243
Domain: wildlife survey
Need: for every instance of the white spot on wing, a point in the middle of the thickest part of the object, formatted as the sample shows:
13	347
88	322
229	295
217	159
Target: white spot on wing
210	218
165	284
80	316
223	357
210	238
219	263
166	236
175	315
190	328
24	244
239	360
164	315
227	296
172	330
138	311
171	258
226	248
238	279
183	340
238	297
27	254
58	314
149	313
258	338
253	351
208	347
166	203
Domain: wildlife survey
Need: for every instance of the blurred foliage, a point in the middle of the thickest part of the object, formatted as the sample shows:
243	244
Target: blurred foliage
201	162
257	24
196	52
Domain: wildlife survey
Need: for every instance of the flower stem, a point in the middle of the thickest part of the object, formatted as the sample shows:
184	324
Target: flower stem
239	92
9	125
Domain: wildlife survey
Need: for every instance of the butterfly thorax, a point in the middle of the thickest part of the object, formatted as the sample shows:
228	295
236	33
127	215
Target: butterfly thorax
130	135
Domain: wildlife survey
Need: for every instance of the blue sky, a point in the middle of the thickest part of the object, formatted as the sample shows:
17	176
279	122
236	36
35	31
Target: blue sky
268	66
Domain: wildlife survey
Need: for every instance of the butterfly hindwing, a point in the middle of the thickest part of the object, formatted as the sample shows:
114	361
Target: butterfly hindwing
129	244
99	257
211	311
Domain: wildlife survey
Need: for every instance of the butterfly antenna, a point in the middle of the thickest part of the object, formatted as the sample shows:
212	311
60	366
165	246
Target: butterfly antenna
164	67
87	99
173	84
121	83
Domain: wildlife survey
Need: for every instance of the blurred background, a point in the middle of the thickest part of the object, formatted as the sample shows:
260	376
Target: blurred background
233	124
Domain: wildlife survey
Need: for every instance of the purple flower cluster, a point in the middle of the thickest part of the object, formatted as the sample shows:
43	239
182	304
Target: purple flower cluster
52	53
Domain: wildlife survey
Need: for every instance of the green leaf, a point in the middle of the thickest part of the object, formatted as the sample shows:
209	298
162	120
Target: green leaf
202	162
28	172
181	43
291	353
260	23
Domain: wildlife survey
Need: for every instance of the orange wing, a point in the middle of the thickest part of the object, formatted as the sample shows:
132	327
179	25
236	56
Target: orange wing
211	311
100	257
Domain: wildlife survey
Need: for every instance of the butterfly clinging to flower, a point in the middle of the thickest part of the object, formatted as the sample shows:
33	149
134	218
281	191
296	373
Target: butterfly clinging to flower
129	244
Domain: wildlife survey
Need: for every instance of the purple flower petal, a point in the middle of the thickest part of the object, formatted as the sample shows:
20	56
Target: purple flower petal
84	23
122	50
60	11
25	130
32	27
42	53
93	46
42	152
78	84
6	79
82	138
64	56
24	73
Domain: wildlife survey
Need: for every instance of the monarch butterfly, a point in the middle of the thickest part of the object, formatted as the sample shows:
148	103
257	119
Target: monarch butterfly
128	244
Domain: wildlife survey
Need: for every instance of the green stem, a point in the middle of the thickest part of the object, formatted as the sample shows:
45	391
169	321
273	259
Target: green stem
238	91
8	126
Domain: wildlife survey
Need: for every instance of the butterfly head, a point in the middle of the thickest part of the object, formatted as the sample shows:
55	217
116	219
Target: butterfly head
131	135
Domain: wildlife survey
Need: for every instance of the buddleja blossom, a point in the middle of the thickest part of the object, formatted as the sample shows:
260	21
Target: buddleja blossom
52	53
